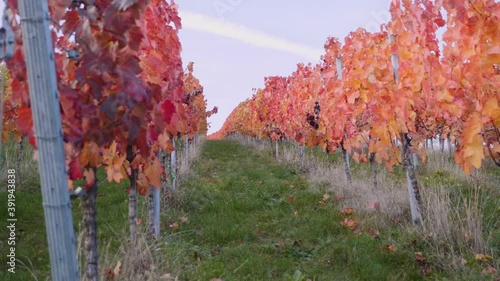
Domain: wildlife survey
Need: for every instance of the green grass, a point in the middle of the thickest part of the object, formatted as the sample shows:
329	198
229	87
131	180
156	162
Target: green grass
242	215
31	245
241	226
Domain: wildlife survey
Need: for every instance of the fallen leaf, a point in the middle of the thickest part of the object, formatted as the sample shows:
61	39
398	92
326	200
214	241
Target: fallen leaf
138	221
184	219
279	244
117	268
175	225
290	198
110	274
326	196
419	257
483	257
490	270
390	247
347	211
349	223
295	213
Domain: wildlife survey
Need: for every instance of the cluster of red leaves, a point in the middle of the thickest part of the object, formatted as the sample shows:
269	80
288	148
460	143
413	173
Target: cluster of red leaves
118	107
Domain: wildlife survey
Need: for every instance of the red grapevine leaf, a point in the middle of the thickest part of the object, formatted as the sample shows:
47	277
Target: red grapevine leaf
75	170
168	109
25	121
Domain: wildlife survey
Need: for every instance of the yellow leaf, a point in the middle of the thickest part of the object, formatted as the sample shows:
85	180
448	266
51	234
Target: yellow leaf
483	257
326	196
117	268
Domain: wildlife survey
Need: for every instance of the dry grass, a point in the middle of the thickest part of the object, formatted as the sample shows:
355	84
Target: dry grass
442	161
143	260
455	226
20	158
128	263
388	202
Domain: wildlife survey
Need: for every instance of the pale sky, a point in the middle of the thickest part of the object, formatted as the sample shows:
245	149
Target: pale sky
236	43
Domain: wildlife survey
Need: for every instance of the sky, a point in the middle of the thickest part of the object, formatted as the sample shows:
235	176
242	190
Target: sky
234	44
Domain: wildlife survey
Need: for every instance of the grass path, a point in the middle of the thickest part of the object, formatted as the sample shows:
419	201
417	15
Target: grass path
250	218
240	215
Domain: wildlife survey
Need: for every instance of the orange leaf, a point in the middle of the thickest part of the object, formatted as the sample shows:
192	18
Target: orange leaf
419	257
347	211
390	247
490	270
153	173
349	223
89	176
